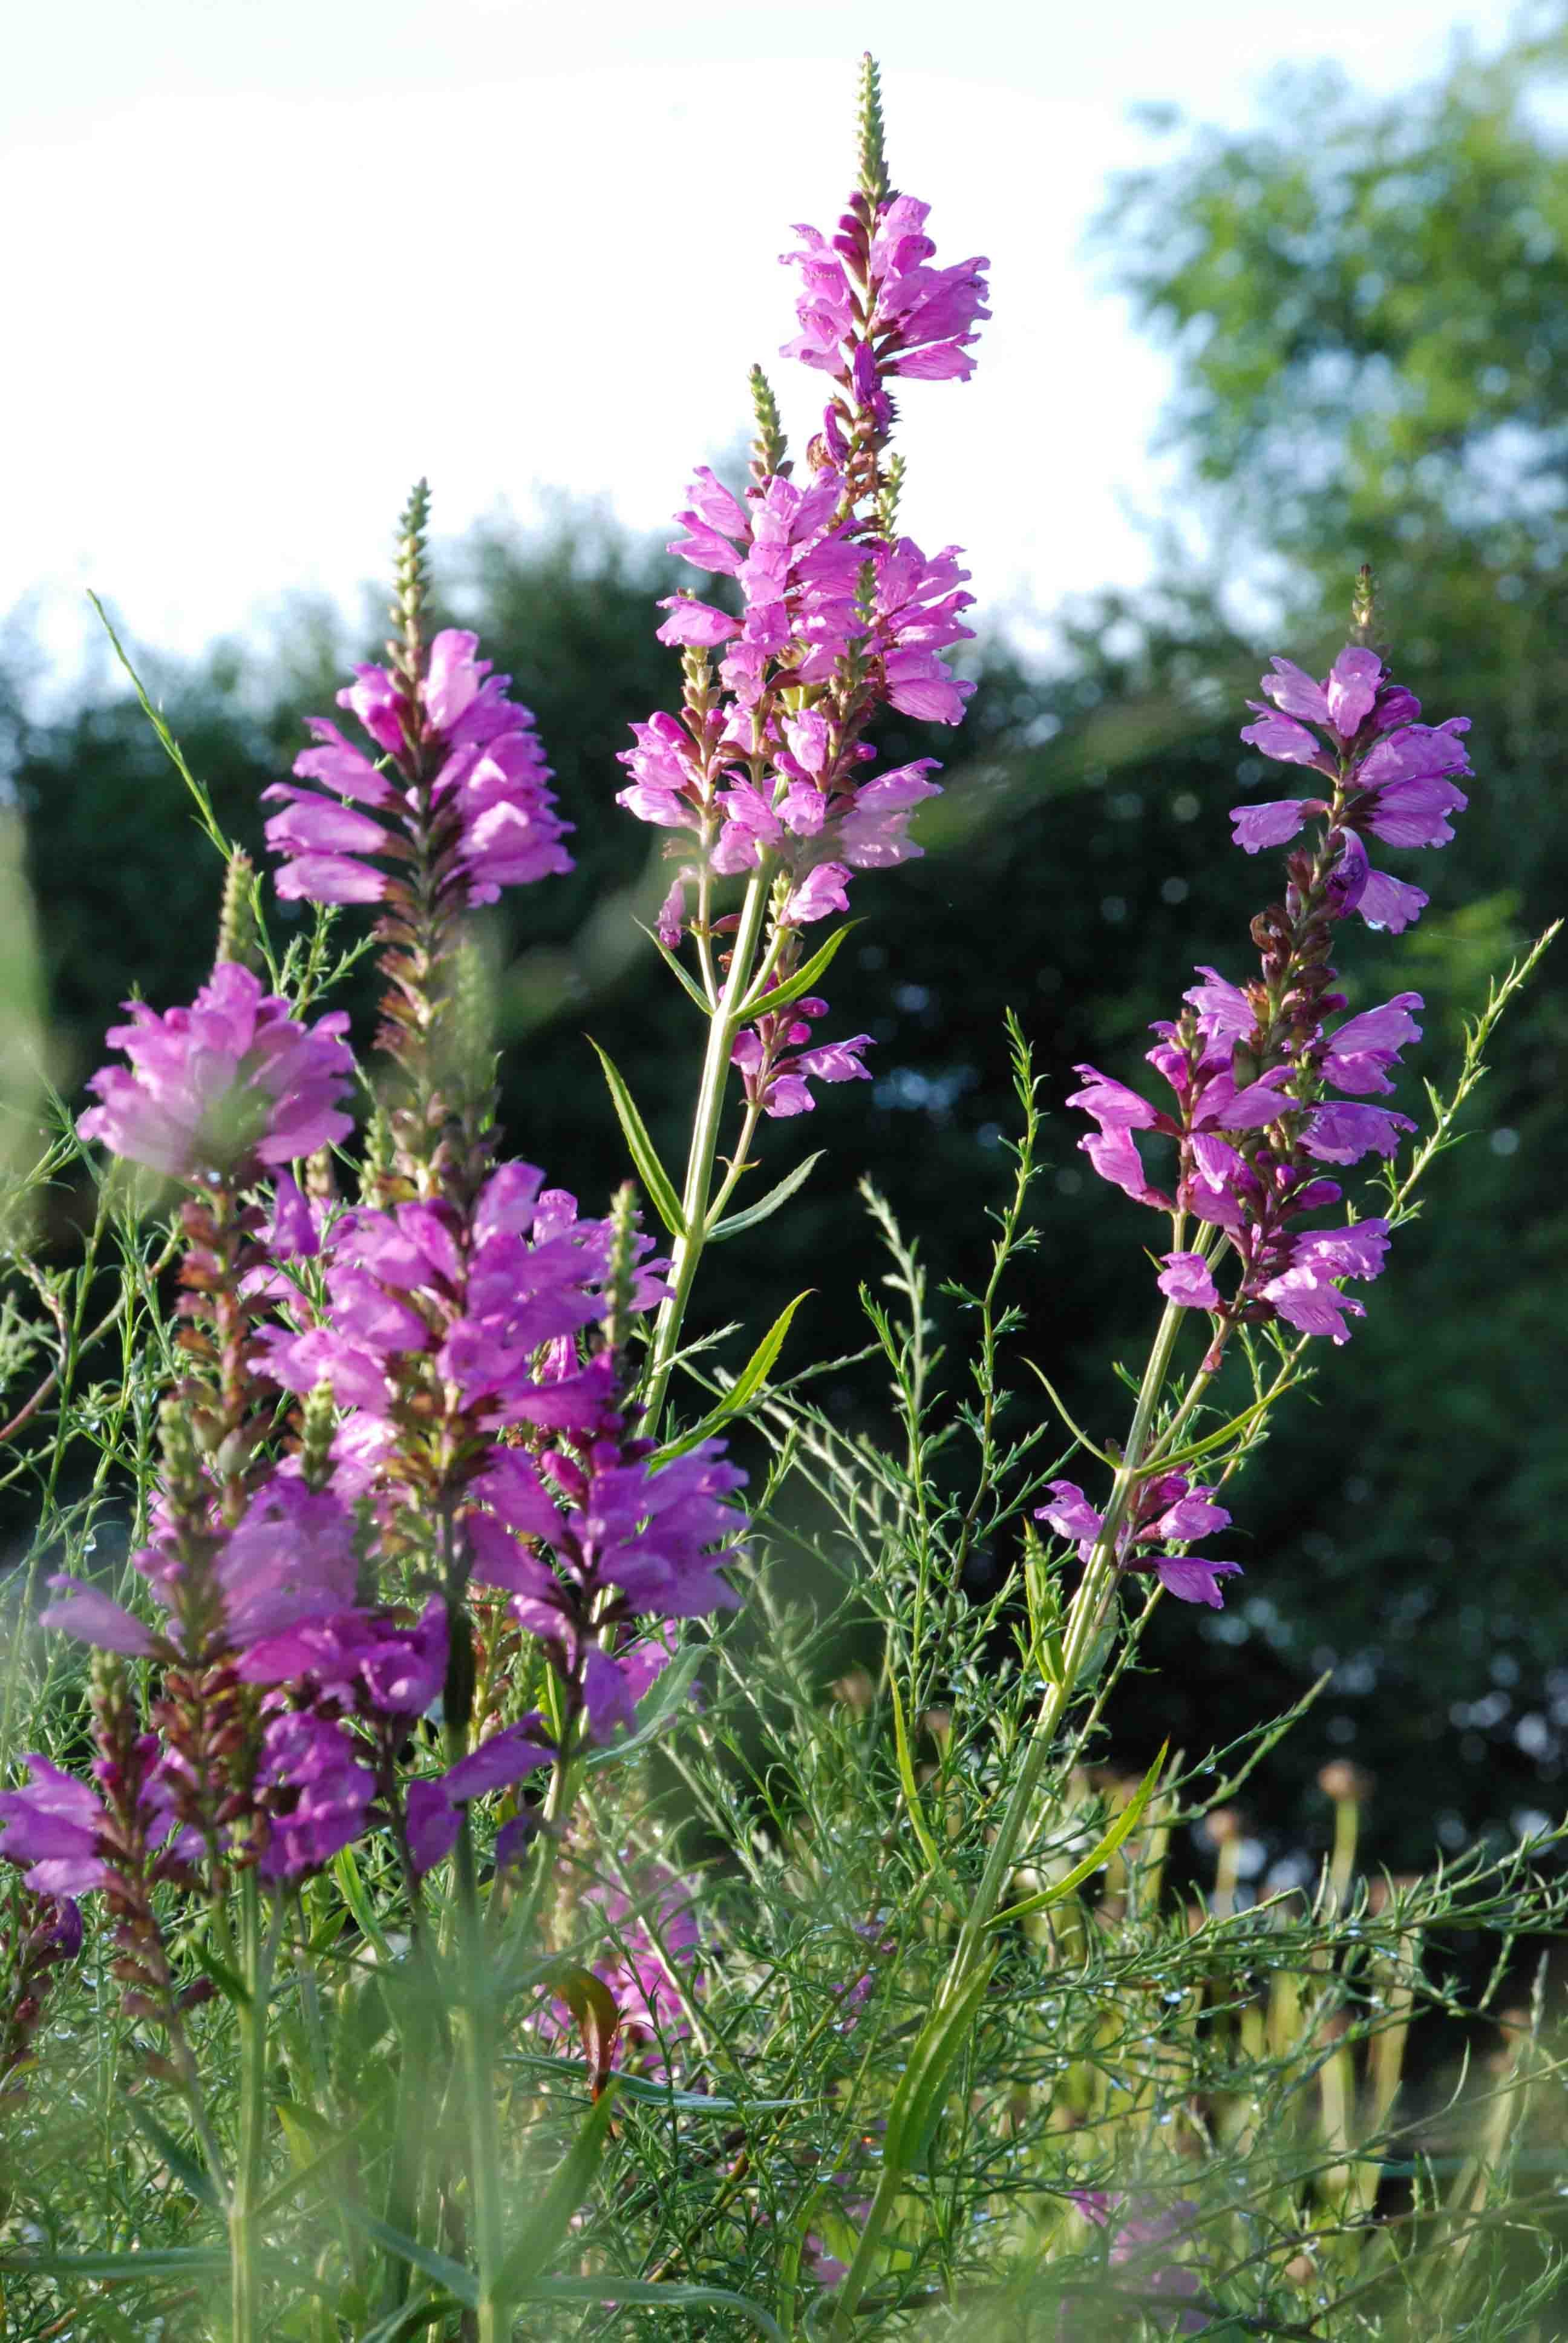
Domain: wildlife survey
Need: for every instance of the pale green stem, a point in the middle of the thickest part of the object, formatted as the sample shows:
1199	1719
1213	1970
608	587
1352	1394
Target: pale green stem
259	1952
1084	1619
695	1217
476	2039
1083	1624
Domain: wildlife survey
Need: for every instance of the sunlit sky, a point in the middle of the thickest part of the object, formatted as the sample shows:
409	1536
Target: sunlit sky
269	259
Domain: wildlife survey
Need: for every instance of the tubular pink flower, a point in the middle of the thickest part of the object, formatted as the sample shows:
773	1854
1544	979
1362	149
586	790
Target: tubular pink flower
224	1087
55	1828
1166	1511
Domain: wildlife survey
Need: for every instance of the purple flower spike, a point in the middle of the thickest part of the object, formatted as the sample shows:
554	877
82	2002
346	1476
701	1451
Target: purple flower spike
468	779
222	1088
1165	1510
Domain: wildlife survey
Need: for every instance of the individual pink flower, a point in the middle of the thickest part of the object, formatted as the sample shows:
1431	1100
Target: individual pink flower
57	1828
231	1084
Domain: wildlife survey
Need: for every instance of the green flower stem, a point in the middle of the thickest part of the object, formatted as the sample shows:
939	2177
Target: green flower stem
259	1952
476	2034
1089	1605
1084	1619
697	1219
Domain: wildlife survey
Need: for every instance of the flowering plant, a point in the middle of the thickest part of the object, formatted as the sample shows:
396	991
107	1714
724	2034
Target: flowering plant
438	2008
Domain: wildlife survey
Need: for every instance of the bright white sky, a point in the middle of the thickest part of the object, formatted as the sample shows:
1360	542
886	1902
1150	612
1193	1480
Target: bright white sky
269	259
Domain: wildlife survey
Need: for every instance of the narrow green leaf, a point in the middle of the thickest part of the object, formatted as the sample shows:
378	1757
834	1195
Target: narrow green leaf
166	742
568	2184
307	2165
190	2174
1213	1439
667	2294
163	2261
408	2318
460	2283
743	1390
1044	1610
754	1373
917	2104
661	1193
907	1776
1082	1438
1126	1821
794	987
345	1870
754	1214
654	2095
673	964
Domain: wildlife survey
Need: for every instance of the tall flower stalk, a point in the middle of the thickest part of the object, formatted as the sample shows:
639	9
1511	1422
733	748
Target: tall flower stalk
1253	1071
764	771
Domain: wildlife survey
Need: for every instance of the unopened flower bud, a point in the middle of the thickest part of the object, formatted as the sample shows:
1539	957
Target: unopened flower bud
1344	1783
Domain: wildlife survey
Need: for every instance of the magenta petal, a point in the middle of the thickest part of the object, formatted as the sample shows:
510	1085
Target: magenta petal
89	1615
1190	1580
1186	1278
1270	824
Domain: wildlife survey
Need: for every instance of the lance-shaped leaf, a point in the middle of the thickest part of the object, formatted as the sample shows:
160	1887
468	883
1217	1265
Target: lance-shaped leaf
794	987
670	961
660	1189
918	2103
907	1776
664	2294
733	1222
551	2216
1127	1821
597	2015
207	2187
459	2283
744	1389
